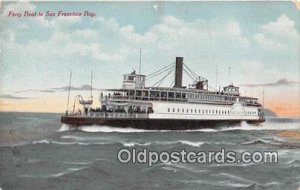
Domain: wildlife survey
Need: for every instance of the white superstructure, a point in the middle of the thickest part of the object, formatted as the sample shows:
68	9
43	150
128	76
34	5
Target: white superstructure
195	102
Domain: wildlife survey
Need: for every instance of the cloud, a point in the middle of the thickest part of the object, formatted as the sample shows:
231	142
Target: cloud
155	7
58	89
8	96
105	45
20	6
280	34
280	82
106	42
64	23
34	90
82	88
282	26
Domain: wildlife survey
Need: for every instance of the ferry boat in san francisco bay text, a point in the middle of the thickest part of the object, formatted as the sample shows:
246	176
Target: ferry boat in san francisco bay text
174	107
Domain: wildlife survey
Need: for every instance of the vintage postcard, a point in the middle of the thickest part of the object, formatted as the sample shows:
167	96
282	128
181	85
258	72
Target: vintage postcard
149	95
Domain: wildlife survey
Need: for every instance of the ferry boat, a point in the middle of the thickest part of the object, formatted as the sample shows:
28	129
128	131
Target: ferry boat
174	107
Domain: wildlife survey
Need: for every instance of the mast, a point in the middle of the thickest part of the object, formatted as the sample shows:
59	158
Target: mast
69	90
229	74
263	98
217	79
91	84
140	62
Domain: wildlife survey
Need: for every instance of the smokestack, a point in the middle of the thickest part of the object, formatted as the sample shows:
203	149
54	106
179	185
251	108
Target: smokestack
178	72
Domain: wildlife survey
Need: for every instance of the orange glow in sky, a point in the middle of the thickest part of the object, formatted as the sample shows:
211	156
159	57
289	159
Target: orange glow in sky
58	104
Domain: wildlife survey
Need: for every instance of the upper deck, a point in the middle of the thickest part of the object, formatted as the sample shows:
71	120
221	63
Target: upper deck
175	94
134	88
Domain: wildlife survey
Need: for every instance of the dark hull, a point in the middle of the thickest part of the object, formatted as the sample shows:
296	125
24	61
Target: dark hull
149	123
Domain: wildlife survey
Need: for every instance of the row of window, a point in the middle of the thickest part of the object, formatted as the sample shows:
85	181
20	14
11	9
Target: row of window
179	95
210	97
205	111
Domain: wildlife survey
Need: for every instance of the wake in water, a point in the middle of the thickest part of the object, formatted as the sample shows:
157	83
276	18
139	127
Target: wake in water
67	140
45	141
109	129
123	143
261	141
242	126
183	142
65	127
55	175
263	126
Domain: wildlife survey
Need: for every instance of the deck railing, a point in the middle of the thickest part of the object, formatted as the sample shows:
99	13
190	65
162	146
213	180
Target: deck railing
151	98
117	115
113	115
146	98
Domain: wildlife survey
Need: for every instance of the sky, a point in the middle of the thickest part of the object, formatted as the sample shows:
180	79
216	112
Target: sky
259	41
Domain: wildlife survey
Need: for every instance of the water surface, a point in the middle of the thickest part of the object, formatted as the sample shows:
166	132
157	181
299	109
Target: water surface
38	152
